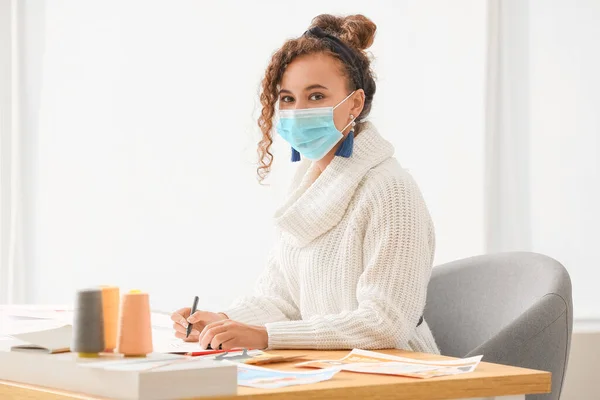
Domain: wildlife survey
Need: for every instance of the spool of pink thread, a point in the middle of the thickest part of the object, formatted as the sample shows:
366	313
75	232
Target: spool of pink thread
135	328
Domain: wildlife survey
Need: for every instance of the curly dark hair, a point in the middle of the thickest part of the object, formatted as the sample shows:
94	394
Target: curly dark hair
357	31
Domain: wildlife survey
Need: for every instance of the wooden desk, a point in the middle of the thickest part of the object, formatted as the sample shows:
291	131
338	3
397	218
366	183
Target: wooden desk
488	381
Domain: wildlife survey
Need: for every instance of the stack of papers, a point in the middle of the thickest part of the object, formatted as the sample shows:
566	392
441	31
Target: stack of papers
369	362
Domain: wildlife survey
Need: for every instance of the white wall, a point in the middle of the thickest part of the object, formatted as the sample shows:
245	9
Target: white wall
581	380
143	146
565	141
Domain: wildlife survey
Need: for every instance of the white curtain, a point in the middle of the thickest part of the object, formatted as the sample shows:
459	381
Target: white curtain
507	183
12	271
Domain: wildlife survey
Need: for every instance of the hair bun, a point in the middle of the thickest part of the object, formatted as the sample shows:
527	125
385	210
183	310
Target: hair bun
356	30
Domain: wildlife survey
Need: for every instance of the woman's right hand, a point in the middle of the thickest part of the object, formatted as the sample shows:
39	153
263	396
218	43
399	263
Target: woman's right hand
181	319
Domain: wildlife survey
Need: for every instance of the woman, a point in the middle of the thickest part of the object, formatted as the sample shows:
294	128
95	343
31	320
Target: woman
356	242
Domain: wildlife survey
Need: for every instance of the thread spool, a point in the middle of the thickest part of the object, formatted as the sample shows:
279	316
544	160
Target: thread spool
135	328
110	312
88	323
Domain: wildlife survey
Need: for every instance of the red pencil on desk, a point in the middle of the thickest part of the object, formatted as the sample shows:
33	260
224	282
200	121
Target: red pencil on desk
205	352
208	352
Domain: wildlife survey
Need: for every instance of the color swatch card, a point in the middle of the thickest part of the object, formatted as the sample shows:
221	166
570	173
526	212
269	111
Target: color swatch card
265	378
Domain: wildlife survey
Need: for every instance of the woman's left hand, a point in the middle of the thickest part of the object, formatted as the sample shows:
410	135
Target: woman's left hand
232	334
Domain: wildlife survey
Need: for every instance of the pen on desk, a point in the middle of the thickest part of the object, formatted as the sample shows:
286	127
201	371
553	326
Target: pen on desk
189	327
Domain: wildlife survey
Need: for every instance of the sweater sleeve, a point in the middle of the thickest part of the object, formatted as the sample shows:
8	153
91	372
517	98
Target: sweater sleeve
391	291
271	301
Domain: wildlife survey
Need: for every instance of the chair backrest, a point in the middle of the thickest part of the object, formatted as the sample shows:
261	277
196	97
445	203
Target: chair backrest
514	308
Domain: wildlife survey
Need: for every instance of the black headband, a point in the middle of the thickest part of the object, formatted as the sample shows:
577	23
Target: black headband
340	48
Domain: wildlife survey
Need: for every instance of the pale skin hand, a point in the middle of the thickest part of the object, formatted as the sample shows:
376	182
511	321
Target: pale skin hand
181	319
232	334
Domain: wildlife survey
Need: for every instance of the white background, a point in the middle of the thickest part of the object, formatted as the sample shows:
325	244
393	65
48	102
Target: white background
141	136
138	137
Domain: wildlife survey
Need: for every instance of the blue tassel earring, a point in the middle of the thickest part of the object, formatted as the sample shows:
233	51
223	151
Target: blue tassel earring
295	155
345	150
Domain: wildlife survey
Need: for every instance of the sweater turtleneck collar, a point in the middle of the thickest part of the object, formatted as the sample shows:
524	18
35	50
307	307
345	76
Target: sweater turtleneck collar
320	201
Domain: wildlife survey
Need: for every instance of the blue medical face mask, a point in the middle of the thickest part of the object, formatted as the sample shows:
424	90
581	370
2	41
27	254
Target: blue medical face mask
311	131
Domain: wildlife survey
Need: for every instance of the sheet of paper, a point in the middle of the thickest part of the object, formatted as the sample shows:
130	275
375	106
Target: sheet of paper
55	312
12	325
162	321
370	362
265	378
162	344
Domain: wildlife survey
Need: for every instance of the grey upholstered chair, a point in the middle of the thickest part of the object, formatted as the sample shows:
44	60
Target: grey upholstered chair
514	308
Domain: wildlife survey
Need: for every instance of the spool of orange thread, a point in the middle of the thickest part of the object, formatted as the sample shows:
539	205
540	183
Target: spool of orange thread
135	328
110	312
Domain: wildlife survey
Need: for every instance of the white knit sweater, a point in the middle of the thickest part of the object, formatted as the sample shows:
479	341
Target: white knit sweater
353	259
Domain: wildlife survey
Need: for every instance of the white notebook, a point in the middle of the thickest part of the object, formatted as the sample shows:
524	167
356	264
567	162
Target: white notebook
51	341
